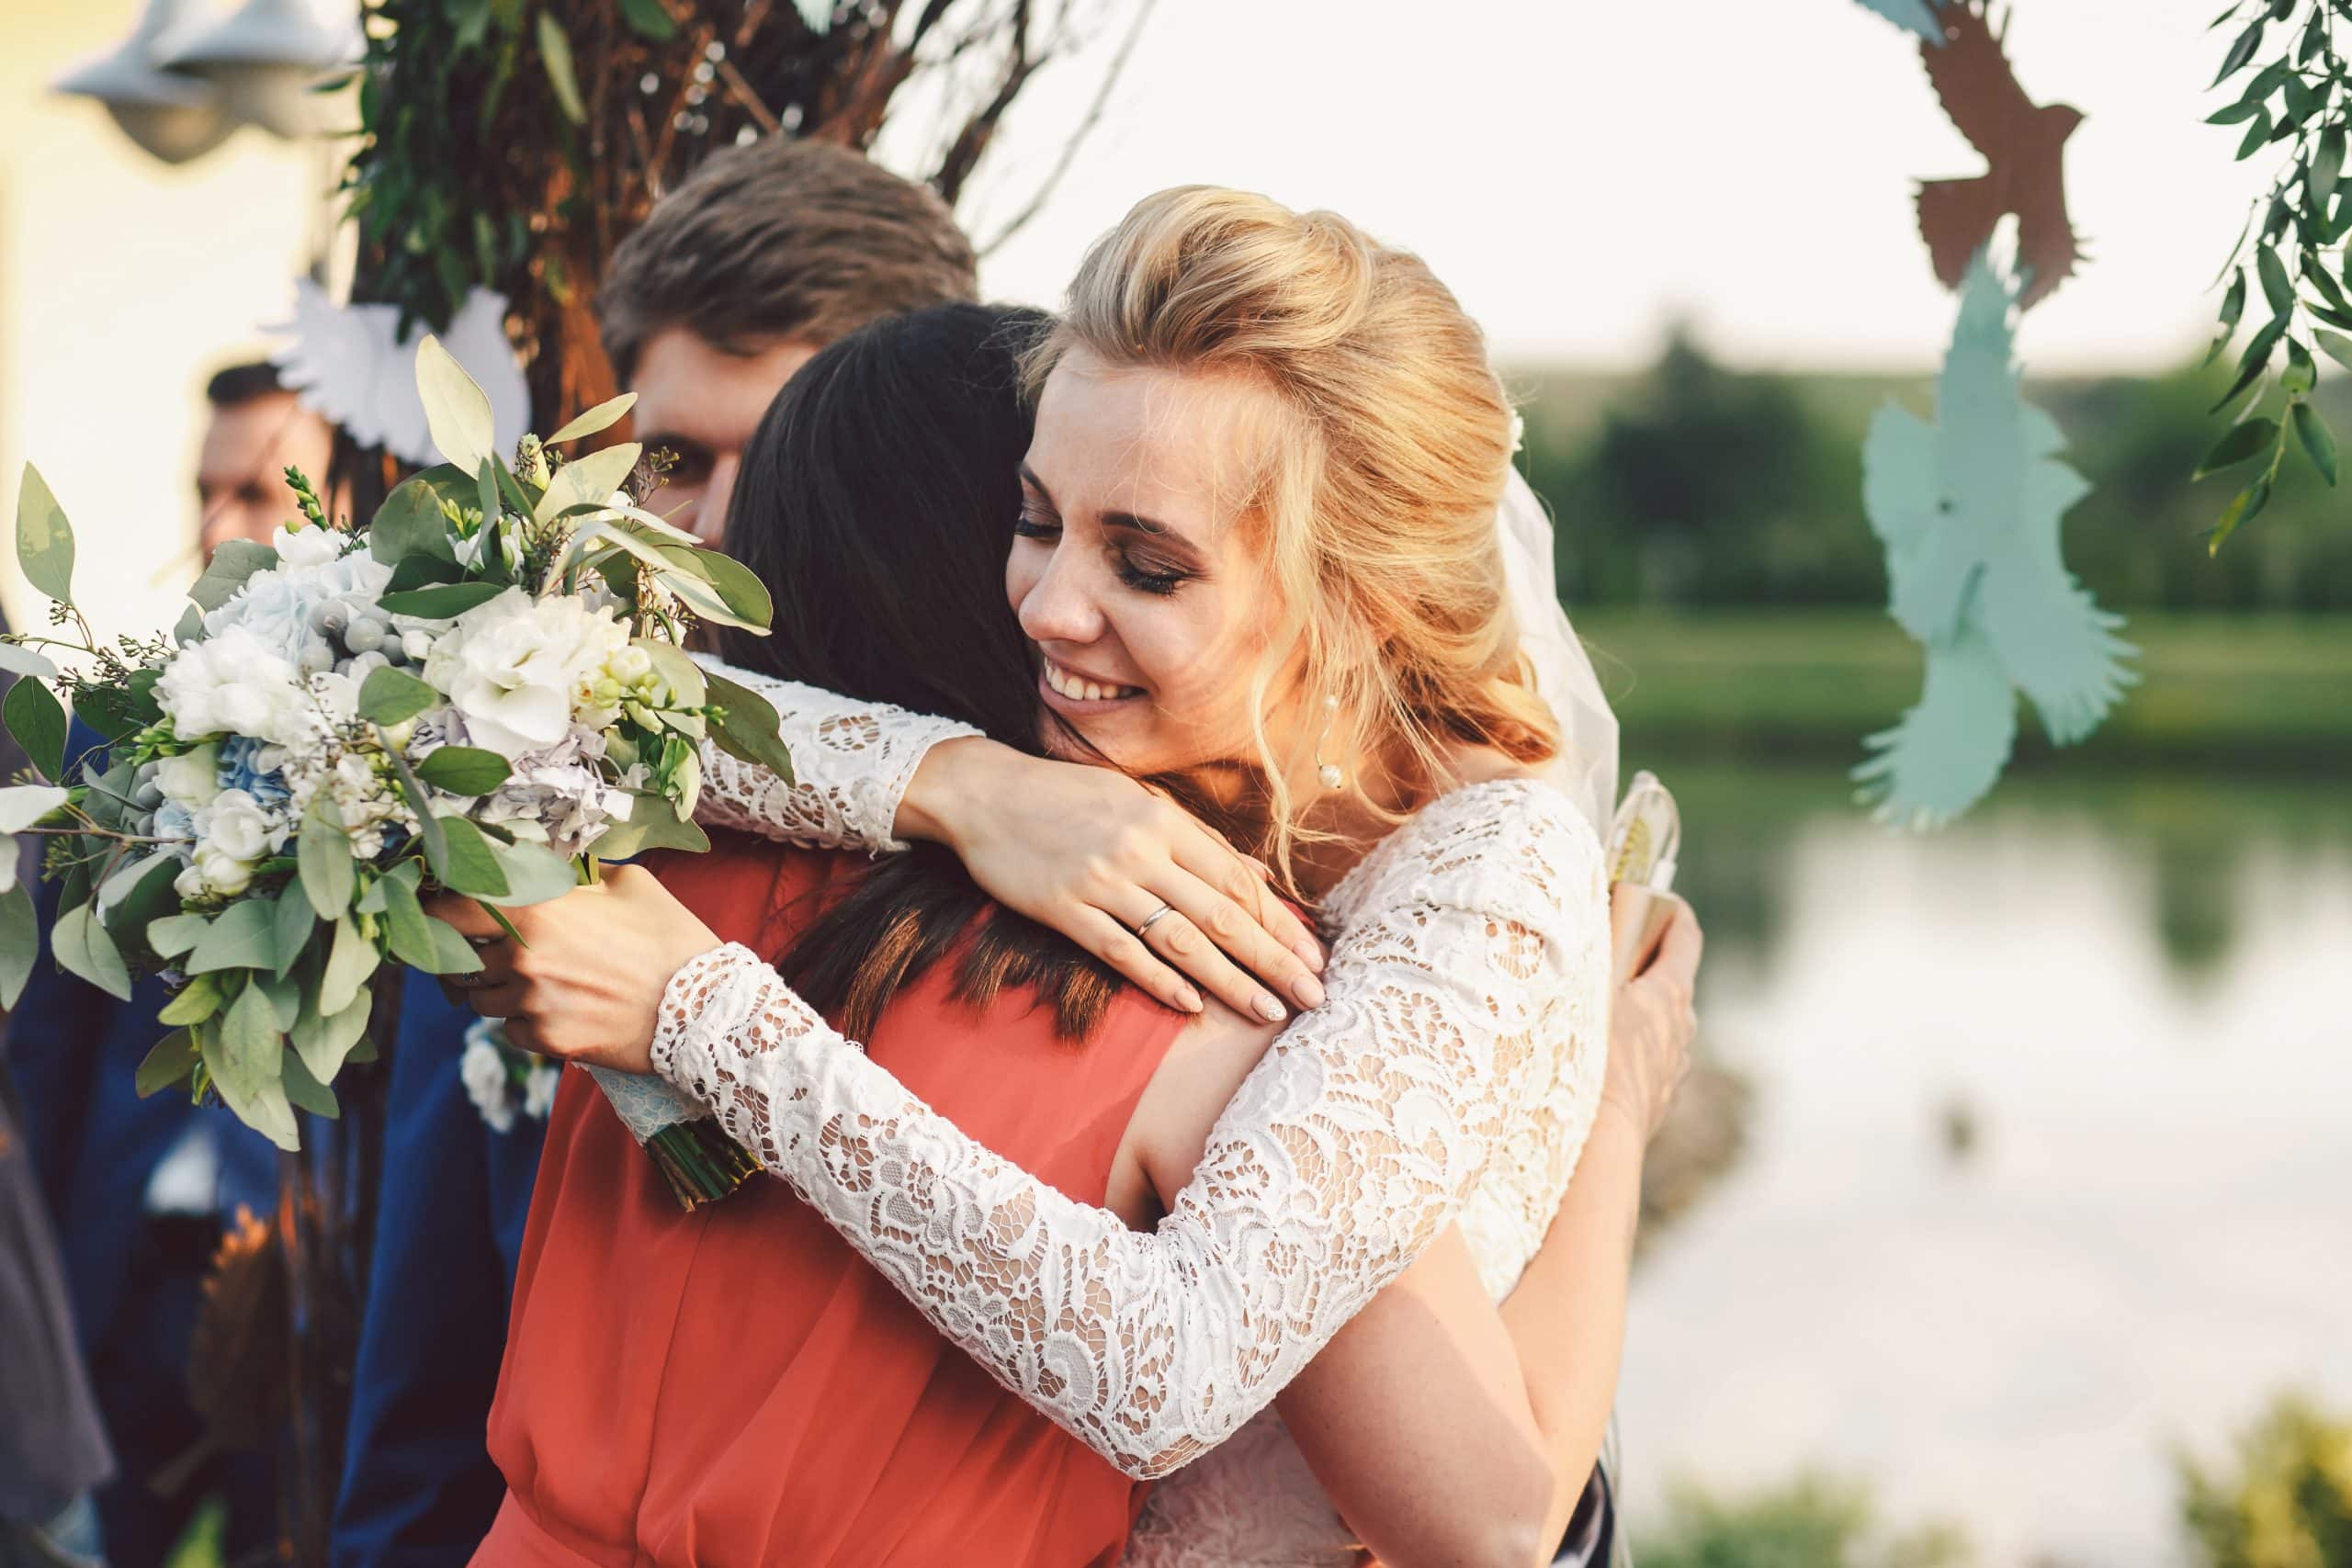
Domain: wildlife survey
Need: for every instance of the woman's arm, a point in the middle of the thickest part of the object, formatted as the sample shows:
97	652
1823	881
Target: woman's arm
1086	850
1343	1155
1447	1431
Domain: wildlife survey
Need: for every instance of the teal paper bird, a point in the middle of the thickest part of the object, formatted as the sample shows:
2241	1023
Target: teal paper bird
1917	16
1968	508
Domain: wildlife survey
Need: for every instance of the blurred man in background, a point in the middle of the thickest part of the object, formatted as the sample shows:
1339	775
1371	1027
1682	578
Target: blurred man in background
258	430
141	1191
54	1451
766	254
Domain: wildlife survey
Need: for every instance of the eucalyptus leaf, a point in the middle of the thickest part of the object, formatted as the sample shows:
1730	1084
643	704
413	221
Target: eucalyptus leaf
84	948
2336	346
467	865
452	954
589	480
285	995
2275	286
2241	509
44	539
441	602
391	696
2300	373
2241	442
422	572
246	1069
535	874
234	561
19	943
610	411
19	659
679	673
292	921
738	585
324	1042
244	936
351	959
429	835
410	526
303	1090
192	1003
455	410
464	770
322	853
175	934
37	719
170	1062
150	898
404	928
653	824
2328	166
747	726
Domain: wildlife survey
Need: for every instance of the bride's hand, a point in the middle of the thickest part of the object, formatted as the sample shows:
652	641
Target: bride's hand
1652	1021
1094	854
586	987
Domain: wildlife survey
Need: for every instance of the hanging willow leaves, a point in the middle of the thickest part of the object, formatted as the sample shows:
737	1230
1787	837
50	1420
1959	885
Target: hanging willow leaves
2293	92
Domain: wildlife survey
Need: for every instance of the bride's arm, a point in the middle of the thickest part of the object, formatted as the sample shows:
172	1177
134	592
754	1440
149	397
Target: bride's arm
1345	1151
1086	850
1447	1430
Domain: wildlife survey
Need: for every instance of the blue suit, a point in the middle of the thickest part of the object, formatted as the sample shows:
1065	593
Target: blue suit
418	1488
131	1276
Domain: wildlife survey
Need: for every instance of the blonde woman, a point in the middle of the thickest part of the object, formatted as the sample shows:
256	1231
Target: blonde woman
1259	548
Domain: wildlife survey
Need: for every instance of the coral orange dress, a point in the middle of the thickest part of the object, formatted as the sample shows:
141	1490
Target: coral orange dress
638	1422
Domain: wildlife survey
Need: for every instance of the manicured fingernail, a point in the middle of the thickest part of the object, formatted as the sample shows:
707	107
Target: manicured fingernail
1189	999
1269	1008
1310	956
1308	990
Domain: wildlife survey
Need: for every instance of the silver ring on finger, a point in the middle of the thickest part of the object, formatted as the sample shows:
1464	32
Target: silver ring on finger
1155	917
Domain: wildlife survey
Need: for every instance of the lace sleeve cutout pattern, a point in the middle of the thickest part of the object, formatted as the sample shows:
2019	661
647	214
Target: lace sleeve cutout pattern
852	762
1471	947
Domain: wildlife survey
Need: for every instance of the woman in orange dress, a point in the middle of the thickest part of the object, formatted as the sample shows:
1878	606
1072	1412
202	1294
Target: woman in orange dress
846	1430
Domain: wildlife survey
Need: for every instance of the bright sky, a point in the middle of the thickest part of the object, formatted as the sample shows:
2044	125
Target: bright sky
1580	173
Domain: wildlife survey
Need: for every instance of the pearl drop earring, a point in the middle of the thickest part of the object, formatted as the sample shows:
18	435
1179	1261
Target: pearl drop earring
1329	772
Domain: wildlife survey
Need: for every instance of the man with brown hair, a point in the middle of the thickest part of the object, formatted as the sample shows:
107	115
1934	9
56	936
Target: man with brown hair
768	252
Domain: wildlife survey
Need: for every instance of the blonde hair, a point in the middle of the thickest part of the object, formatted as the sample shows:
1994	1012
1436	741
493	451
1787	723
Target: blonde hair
1377	485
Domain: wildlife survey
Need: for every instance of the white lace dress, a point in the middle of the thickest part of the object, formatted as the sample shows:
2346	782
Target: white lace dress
1452	1073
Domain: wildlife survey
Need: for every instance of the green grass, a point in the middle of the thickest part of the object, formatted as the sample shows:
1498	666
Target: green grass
2222	692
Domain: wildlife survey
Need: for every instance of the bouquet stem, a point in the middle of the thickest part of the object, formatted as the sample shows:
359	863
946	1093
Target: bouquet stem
700	1161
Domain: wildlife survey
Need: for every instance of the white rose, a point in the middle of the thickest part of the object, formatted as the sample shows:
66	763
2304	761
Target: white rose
235	825
189	883
483	1070
223	873
416	644
192	778
308	545
513	667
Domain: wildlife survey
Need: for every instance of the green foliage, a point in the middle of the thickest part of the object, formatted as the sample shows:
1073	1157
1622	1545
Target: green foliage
2289	1504
1811	1522
2299	101
1693	484
44	539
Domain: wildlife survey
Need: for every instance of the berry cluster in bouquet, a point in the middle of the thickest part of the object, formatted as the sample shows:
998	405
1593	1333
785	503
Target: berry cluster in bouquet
483	689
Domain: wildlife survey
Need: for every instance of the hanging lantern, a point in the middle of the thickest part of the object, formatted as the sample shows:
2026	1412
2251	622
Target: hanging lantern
171	116
264	59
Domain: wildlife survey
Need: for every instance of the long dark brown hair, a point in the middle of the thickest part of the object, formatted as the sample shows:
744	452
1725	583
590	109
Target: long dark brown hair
875	501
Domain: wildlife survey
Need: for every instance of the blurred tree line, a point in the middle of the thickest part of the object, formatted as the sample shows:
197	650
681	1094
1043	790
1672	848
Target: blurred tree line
1696	484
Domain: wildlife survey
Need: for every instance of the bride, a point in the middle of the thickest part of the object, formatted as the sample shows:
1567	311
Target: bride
1258	547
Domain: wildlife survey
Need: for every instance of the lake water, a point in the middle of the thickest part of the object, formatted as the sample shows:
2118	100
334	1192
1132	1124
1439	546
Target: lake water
2137	994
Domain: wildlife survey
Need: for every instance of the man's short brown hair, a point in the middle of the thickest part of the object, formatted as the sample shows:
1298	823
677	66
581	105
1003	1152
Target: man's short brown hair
781	239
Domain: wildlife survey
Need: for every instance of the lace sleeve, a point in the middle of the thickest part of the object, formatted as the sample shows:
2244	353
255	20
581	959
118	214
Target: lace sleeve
850	762
1482	937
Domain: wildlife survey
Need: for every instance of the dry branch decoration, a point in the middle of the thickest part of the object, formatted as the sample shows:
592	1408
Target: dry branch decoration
512	144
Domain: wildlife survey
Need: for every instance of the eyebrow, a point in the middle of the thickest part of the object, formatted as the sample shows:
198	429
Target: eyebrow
1132	521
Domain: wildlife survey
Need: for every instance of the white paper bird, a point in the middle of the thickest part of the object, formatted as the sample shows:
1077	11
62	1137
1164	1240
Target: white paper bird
1969	510
346	362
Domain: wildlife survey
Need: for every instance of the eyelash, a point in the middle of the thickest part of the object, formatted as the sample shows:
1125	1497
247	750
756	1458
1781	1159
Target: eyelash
1158	583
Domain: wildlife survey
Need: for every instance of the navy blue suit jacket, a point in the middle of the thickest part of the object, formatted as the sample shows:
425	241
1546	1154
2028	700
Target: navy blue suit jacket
418	1488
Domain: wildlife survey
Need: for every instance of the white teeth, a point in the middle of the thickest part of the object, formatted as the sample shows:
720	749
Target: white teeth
1078	688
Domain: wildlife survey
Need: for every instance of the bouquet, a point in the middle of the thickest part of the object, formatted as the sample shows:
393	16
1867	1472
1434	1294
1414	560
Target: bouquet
484	690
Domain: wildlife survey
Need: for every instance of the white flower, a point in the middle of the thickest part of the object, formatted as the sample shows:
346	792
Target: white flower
192	778
483	1070
308	545
217	872
235	825
415	643
539	1090
286	607
232	683
517	668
